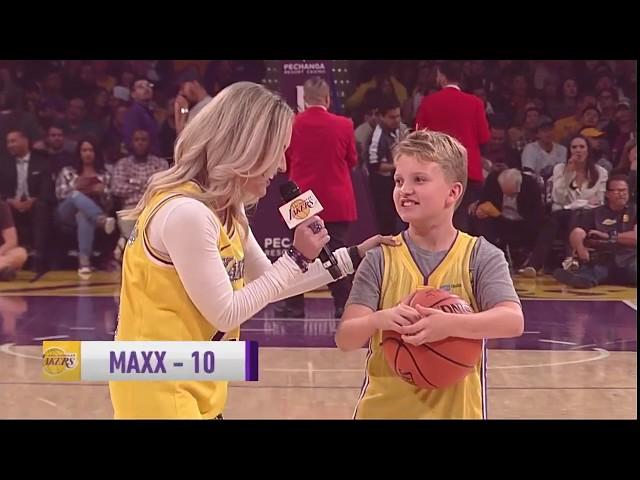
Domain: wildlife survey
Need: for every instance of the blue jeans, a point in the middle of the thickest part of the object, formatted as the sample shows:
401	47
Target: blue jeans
80	212
593	274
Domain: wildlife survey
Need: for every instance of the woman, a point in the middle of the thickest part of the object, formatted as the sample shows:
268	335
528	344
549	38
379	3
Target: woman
576	185
85	198
192	269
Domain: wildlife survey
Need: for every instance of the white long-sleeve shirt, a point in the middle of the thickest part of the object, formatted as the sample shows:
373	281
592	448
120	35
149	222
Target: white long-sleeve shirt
564	196
187	232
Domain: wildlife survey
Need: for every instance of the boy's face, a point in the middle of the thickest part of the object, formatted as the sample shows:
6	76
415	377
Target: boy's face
422	193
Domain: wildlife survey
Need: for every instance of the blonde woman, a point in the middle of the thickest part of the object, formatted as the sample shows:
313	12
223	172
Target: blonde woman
192	269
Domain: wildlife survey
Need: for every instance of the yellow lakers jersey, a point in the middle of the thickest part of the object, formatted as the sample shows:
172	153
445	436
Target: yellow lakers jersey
384	395
154	306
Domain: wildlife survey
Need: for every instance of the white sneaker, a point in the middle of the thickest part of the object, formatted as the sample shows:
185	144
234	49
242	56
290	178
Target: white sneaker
109	225
570	264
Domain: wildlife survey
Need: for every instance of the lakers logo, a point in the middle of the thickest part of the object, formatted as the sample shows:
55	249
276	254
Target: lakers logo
300	208
56	361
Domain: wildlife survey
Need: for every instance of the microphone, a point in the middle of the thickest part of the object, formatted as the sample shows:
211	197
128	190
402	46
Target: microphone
296	209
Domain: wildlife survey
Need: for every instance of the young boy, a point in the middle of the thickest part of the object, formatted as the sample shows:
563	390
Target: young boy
430	178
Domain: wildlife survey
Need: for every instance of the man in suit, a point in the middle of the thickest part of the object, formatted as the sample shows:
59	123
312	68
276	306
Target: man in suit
462	116
320	157
26	185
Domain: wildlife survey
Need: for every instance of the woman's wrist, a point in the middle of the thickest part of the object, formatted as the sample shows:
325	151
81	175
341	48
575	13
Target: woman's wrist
300	260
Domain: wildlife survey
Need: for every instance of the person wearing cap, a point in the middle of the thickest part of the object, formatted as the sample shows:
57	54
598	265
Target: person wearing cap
568	126
192	97
544	154
598	146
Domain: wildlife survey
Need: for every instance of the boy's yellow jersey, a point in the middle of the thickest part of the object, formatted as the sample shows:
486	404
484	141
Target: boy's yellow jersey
384	395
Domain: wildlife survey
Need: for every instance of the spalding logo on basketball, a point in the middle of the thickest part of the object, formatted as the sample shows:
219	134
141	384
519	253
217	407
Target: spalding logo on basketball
433	365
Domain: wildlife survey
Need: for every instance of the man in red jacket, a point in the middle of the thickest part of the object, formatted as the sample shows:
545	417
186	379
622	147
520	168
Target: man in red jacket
320	158
462	116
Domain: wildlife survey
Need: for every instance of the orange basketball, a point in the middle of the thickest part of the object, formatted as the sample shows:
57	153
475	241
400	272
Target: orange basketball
433	365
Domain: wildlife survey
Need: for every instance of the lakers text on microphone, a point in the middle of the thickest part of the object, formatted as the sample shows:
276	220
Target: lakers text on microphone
301	208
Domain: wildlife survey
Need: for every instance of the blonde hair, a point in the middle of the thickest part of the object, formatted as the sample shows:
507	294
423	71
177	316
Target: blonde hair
437	147
237	136
316	90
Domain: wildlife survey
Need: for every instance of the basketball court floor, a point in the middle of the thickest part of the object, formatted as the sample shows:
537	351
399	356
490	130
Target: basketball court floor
577	358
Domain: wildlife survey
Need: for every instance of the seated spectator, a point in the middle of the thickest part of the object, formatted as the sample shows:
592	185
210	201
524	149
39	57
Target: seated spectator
520	98
607	101
57	148
509	210
141	117
102	78
120	97
497	151
622	130
113	142
569	102
132	173
544	154
554	107
577	184
12	118
598	146
605	243
52	91
32	98
481	92
85	200
381	80
520	137
12	256
565	127
629	166
26	184
76	125
100	111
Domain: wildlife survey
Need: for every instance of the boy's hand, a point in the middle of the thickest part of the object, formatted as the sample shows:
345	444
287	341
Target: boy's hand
397	318
433	326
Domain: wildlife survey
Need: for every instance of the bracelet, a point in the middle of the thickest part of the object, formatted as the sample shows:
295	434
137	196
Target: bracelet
355	257
302	261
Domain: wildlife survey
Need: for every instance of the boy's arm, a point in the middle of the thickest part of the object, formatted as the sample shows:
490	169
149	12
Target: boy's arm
500	313
361	322
355	328
504	320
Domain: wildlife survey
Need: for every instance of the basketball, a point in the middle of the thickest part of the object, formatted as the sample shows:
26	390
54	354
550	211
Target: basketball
434	365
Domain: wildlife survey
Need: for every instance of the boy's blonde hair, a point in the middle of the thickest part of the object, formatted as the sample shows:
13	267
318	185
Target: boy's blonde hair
437	147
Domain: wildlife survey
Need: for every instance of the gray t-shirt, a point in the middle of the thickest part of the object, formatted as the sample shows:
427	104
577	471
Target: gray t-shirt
489	274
